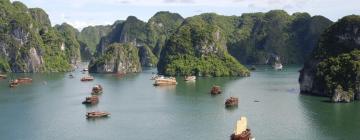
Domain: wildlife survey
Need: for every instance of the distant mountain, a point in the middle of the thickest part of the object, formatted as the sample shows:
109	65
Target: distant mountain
91	35
333	69
148	37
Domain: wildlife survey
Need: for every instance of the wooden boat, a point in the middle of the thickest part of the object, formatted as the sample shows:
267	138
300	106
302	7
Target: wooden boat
24	80
97	114
87	78
232	101
16	82
190	78
241	131
2	76
215	90
96	90
91	100
165	81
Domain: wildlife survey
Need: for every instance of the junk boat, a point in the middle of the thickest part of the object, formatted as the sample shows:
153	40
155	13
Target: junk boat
241	131
2	76
87	78
190	78
91	100
96	90
215	90
165	81
16	82
232	101
97	114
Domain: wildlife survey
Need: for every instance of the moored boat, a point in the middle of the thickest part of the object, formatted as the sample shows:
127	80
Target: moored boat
91	100
85	69
97	114
231	102
16	82
87	78
155	77
3	76
278	66
165	81
190	78
96	90
215	90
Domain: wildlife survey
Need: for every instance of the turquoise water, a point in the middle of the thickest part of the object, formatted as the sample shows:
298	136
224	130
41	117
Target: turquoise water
50	108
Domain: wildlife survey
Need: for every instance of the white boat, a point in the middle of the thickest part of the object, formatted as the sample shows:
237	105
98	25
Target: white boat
190	78
155	77
163	81
278	66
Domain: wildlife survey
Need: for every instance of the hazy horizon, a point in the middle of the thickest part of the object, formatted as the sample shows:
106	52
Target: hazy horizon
83	13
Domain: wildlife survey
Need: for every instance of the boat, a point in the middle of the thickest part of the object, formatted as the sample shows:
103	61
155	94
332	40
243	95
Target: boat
87	78
91	100
278	66
16	82
215	90
13	83
165	81
190	78
96	90
97	114
241	131
85	69
24	80
71	76
155	77
232	101
3	76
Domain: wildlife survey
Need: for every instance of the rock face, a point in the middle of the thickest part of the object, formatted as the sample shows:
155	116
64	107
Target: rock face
257	37
91	36
28	43
147	58
199	47
333	68
117	58
72	46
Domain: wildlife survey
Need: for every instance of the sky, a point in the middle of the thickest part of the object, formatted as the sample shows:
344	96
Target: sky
82	13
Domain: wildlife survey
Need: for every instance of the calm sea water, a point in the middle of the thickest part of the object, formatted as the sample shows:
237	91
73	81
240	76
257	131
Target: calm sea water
50	109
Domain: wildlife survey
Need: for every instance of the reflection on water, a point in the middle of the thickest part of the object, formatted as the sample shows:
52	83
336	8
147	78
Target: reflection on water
139	110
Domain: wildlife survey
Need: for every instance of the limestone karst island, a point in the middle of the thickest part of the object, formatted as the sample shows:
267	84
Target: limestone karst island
179	69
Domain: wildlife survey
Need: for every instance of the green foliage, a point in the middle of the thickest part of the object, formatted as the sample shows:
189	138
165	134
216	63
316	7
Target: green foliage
91	35
343	70
338	57
22	29
72	46
198	48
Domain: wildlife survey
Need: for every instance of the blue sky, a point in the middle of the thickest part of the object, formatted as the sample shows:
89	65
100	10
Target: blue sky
81	13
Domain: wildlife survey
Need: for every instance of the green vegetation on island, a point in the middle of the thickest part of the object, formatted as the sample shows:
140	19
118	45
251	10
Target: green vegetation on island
334	67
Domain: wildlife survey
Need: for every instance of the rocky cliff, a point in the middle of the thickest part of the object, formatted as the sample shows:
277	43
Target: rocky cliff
117	58
71	45
91	35
28	43
199	48
333	69
257	37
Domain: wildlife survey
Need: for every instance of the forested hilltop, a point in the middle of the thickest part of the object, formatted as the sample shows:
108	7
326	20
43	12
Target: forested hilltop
28	43
204	45
333	69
